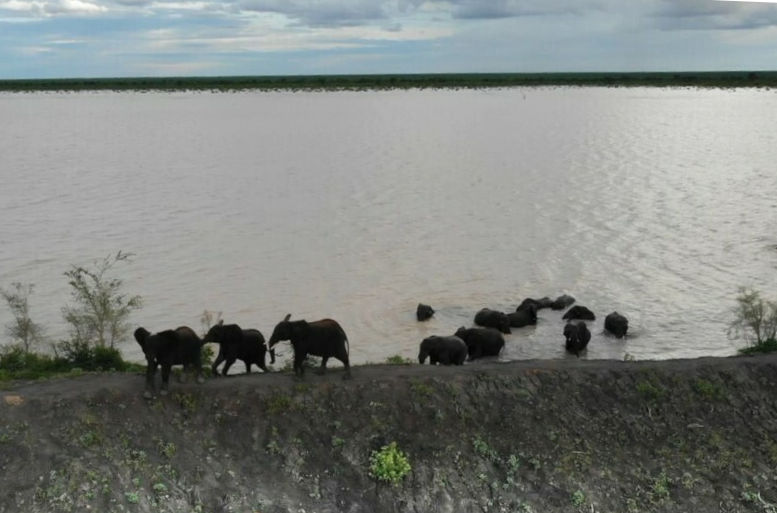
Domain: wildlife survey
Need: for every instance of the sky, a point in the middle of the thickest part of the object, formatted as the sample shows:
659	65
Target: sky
119	38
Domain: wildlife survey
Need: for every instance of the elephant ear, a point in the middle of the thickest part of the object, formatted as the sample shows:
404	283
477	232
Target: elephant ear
220	323
286	319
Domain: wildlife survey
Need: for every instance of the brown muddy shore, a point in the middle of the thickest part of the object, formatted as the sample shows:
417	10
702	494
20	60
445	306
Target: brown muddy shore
533	436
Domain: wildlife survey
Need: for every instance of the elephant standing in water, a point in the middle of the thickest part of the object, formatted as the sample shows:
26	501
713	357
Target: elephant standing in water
616	324
493	319
324	338
180	346
481	341
577	337
442	350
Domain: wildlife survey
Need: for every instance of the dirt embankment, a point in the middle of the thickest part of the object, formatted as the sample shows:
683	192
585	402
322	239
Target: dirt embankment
538	436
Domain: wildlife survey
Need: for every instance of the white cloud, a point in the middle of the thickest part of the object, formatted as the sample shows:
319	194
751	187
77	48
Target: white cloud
73	7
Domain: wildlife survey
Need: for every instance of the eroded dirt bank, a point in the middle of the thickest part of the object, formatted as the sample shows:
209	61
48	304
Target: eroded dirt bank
543	436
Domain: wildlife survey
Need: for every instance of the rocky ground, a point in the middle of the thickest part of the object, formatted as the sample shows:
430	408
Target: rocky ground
534	436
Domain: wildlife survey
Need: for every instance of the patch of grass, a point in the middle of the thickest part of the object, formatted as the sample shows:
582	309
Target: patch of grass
279	404
15	363
399	360
389	464
767	346
650	391
578	498
708	389
484	450
421	388
661	487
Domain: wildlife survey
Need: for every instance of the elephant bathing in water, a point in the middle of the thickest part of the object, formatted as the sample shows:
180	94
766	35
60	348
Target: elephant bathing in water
616	324
481	341
236	343
324	338
424	312
442	350
493	319
180	346
579	312
577	337
525	315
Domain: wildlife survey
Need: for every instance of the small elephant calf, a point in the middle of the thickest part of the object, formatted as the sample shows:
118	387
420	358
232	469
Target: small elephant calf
616	324
443	350
424	312
180	346
577	337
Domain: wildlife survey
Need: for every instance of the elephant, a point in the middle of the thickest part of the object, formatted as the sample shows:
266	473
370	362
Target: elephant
423	312
562	302
180	346
236	343
443	350
523	316
579	312
493	319
324	338
616	324
538	304
481	341
577	337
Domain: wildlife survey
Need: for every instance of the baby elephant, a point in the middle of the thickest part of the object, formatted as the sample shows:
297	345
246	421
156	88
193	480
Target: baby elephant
180	346
577	337
493	319
424	312
443	350
481	341
616	324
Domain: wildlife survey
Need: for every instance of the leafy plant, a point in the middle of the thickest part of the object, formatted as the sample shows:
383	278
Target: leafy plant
22	329
398	360
389	464
101	310
755	320
578	498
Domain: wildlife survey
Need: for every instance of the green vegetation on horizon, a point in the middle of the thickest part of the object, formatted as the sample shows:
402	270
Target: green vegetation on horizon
723	79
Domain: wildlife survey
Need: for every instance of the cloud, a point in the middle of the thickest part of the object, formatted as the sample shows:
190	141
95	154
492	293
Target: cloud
333	13
706	15
480	9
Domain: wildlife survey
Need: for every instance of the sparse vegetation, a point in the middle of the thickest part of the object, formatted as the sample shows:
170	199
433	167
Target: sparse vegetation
100	313
22	330
389	464
399	360
755	321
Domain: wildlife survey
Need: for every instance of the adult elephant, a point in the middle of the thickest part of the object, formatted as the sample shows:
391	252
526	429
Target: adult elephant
423	312
443	350
493	319
562	302
236	343
579	312
525	315
180	346
616	324
481	341
577	337
538	304
324	338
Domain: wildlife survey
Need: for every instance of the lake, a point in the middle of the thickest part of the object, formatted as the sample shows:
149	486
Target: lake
657	203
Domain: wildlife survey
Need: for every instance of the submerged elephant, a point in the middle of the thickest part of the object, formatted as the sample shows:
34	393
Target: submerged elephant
493	319
180	346
523	316
538	304
481	341
443	350
423	312
577	337
616	324
562	302
579	312
324	338
236	343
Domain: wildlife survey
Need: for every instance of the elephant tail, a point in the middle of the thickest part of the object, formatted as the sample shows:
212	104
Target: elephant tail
345	337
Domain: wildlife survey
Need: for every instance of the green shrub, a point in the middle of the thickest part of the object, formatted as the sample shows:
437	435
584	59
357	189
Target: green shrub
389	464
755	320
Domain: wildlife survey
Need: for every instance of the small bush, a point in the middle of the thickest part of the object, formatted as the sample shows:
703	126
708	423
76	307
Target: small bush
398	360
755	320
389	464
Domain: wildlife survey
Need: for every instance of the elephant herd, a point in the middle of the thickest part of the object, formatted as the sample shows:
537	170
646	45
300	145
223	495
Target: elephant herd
487	339
326	339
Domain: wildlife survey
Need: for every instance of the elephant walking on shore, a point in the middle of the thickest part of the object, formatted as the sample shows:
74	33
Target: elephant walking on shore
180	346
236	343
324	338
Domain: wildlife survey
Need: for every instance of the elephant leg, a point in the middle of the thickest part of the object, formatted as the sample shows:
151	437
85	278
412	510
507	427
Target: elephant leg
165	378
344	358
184	376
433	359
248	366
219	359
445	358
227	365
322	369
262	365
150	374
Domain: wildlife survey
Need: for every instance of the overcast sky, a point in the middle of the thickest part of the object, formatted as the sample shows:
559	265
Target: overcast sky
106	38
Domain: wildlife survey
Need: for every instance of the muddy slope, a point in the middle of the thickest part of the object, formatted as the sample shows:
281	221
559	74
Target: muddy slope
541	436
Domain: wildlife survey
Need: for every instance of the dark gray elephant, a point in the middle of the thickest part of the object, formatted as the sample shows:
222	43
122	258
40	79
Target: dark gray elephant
579	312
525	315
493	319
324	338
562	302
423	312
616	324
481	341
180	346
538	304
577	337
236	343
443	350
